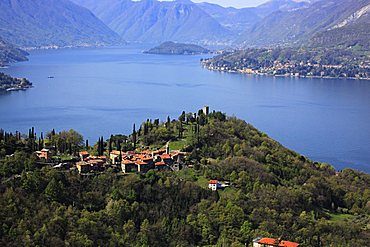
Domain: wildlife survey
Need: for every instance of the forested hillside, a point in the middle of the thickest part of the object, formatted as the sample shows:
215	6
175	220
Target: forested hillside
52	23
274	192
9	53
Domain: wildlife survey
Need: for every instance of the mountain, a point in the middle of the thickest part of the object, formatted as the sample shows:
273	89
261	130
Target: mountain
10	53
354	30
182	20
51	22
300	25
154	21
236	20
269	7
172	48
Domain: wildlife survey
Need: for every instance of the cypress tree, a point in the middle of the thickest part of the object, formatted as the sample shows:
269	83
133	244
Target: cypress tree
99	148
134	136
102	146
110	144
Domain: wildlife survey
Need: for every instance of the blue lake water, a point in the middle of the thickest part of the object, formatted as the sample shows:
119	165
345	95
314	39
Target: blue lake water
104	91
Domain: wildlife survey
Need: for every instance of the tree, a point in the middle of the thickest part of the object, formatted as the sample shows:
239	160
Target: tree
54	190
134	136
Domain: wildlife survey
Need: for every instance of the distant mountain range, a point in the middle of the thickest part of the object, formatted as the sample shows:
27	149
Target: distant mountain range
51	22
319	23
154	21
277	22
9	53
181	20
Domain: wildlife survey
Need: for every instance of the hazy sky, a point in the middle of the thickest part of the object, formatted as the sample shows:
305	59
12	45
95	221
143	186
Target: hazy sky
233	3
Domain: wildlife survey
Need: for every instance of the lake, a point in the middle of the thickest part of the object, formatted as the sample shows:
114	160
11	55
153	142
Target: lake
103	91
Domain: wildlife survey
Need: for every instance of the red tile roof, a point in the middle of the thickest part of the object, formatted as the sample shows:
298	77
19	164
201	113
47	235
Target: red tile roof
141	163
160	163
288	244
275	242
213	181
270	241
165	156
84	153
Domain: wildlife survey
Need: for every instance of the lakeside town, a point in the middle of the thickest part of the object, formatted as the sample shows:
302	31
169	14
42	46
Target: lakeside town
8	83
287	62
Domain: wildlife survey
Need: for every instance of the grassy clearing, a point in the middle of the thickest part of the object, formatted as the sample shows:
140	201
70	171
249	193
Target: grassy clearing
340	217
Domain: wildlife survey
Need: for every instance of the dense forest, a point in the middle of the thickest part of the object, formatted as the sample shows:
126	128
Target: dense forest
340	62
274	192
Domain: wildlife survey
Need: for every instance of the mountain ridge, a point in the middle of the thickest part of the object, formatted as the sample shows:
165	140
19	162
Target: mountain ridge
53	22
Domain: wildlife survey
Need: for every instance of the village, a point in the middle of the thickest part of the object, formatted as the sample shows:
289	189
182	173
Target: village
127	162
141	162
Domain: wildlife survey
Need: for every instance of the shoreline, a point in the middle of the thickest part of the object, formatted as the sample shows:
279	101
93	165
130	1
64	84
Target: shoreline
285	76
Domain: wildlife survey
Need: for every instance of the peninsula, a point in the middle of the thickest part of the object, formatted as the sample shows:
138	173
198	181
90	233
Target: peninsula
202	179
172	48
8	83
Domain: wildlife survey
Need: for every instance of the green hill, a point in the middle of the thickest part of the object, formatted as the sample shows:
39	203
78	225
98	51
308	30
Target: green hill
172	48
273	192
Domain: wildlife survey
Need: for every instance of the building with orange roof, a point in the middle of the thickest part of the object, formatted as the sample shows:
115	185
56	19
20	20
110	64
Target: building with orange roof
160	166
213	185
144	166
84	155
128	166
272	242
166	158
44	154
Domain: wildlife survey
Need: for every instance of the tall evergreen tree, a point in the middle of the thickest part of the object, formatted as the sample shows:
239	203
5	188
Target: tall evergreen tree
110	143
134	136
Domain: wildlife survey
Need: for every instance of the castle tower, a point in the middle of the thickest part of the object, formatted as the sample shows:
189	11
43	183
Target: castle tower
168	148
205	110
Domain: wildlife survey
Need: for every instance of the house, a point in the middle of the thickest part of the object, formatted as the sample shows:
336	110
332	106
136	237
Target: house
166	158
91	163
83	167
128	166
161	166
271	242
214	185
43	154
114	156
144	166
84	155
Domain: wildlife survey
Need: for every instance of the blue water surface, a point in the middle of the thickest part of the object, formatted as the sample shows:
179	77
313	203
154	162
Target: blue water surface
103	91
